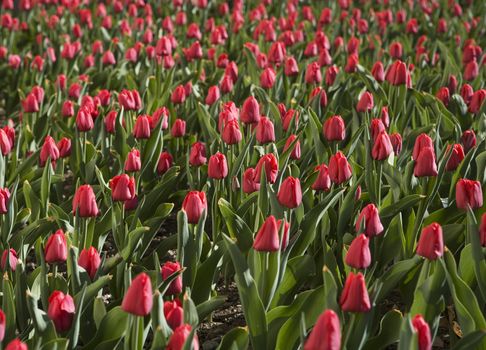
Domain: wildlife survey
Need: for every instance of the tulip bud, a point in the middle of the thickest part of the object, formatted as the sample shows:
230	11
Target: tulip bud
456	157
3	324
382	147
231	132
431	244
133	162
16	344
197	156
265	131
84	202
11	255
130	100
365	103
213	95
378	72
61	310
339	168
167	270
468	140
471	71
174	314
422	141
249	183
178	128
64	147
5	143
267	78
359	255
443	95
291	67
89	259
331	74
4	199
396	50
425	163
396	141
56	248
267	239
295	153
30	104
67	109
423	332
138	298
122	187
313	73
269	163
277	52
217	166
326	334
354	297
165	163
334	129
398	74
477	100
323	180
194	204
370	218
290	193
49	150
179	338
141	130
469	194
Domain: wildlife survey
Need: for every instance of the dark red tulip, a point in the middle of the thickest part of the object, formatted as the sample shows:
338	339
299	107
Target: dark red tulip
396	50
49	150
326	334
291	67
267	238
89	259
431	244
249	183
267	78
270	164
250	112
369	221
354	297
396	141
290	193
56	248
64	146
169	268
471	71
173	312
178	128
339	168
323	180
469	194
122	187
334	129
456	157
194	204
352	64
425	164
138	298
422	141
443	95
217	166
277	52
331	74
84	202
61	310
423	331
467	93
468	140
359	255
11	255
179	338
398	74
382	147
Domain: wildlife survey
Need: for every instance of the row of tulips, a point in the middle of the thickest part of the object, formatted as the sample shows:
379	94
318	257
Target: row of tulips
328	157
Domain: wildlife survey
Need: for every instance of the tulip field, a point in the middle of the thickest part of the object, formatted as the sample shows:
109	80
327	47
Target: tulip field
259	174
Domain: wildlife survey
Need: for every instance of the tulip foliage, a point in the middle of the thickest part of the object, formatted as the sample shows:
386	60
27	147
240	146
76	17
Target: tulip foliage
323	160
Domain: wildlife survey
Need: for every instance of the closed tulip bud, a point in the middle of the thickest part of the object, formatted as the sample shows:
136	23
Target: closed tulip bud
352	63
431	244
110	122
382	147
325	58
468	140
354	297
290	193
141	130
5	142
359	255
313	73
295	153
9	256
326	334
456	157
68	109
130	100
133	162
122	187
89	259
74	91
174	314
104	97
277	52
425	164
396	141
49	150
217	166
84	120
108	59
339	168
267	239
469	194
61	310
471	71
4	199
267	78
197	156
249	183
467	93
167	270
365	103
16	344
265	131
378	72
250	112
64	147
165	163
396	50
213	95
178	128
385	118
423	332
138	298
398	74
334	129
56	248
84	202
369	221
477	100
3	324
194	204
323	180
422	141
226	88
179	338
291	67
30	104
231	132
443	95
268	163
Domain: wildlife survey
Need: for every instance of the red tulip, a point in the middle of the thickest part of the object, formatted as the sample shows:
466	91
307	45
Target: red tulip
122	187
165	163
290	193
425	163
3	324
323	180
16	344
326	334
130	100
249	183
365	103
265	132
339	168
174	314
331	74
213	95
313	73
30	104
431	244
178	128
197	156
108	59
384	117
396	50
422	141
423	332
179	338
277	52
11	255
64	146
370	218
138	298
269	163
443	95
334	129
295	153
267	78
4	199
84	120
61	310
194	204
141	130
56	248
49	150
382	147
89	259
456	157
267	238
291	67
167	270
471	71
468	140
477	100
398	74
217	166
359	255
178	95
354	297
84	202
67	109
467	93
396	141
231	132
469	194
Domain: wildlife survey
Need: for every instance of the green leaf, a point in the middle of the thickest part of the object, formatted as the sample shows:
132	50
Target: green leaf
206	308
134	238
112	328
237	227
389	333
402	205
235	339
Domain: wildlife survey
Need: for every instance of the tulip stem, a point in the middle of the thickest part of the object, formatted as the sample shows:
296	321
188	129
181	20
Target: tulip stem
349	329
419	218
378	187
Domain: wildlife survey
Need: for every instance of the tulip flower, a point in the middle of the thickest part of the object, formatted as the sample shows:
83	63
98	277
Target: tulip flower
290	193
11	255
4	200
422	141
250	112
56	248
61	310
67	109
49	150
133	162
122	187
217	166
326	334
313	73
213	95
16	344
425	164
431	244
339	168
130	100
468	140
456	157
277	52
165	163
3	324
323	180
5	143
398	74
89	259
267	78
269	163
84	202
141	130
382	147
396	141
265	132
267	238
197	156
167	270
194	204
64	146
359	255
334	129
443	95
423	331
174	314
179	338
369	217
365	103
30	104
477	100
178	128
354	297
291	67
138	298
231	133
378	72
469	194
376	128
249	183
295	153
